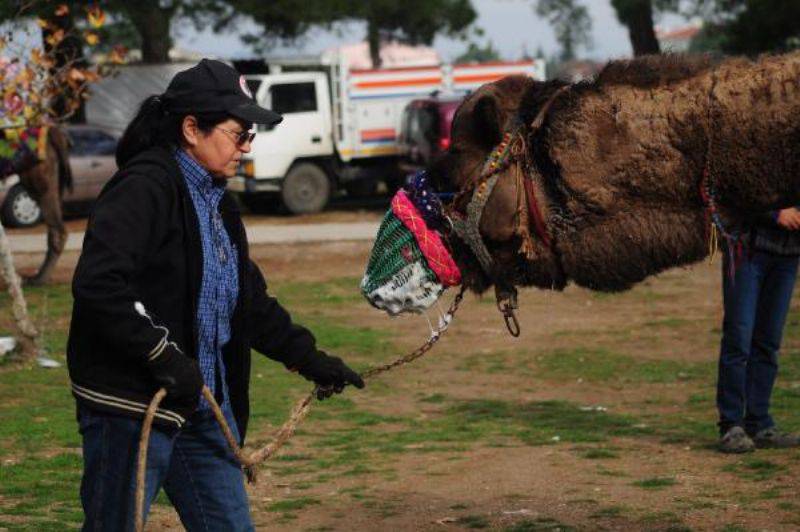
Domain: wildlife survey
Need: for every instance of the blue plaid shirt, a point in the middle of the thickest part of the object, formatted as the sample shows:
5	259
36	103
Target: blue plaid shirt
220	286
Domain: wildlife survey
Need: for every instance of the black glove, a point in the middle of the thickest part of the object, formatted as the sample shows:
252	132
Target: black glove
180	376
330	374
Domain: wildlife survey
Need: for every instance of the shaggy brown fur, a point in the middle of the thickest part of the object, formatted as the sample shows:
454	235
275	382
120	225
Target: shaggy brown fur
619	161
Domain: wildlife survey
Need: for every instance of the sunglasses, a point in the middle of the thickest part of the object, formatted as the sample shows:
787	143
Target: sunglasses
242	137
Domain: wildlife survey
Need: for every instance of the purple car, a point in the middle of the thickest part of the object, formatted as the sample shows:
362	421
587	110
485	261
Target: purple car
425	130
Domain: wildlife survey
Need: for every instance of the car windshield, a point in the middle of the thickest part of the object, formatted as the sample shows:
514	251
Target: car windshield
422	126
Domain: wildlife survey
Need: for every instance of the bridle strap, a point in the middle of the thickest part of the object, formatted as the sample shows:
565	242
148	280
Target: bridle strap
468	229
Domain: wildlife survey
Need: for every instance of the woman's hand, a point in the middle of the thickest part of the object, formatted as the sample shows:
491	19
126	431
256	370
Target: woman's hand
330	374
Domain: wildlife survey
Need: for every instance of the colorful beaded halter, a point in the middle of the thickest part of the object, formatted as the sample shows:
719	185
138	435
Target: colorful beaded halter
410	266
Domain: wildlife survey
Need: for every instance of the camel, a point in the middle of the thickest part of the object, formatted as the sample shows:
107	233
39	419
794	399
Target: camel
45	178
606	182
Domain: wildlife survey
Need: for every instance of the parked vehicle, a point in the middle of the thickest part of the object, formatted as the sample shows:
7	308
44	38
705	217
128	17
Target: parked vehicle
425	131
340	126
91	158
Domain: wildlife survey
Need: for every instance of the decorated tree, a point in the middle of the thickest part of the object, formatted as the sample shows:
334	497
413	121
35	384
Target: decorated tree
43	79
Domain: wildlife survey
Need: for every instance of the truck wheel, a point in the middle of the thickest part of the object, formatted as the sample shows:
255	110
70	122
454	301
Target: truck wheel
20	209
305	189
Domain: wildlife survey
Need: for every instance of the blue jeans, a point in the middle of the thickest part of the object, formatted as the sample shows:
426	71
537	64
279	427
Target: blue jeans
194	465
756	302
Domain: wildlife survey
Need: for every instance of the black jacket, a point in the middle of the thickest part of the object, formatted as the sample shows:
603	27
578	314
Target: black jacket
136	287
767	235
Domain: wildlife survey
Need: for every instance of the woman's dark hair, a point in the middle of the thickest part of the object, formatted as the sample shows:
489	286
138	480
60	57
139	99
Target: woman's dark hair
153	125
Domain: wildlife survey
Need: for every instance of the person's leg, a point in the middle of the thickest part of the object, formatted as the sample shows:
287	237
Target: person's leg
773	306
205	482
740	296
110	449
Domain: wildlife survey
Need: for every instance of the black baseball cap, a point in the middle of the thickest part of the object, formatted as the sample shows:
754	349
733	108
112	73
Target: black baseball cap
212	86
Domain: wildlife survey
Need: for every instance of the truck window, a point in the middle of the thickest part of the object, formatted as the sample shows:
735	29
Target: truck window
293	98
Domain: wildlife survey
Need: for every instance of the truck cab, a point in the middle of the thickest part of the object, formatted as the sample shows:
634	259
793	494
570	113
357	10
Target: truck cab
291	159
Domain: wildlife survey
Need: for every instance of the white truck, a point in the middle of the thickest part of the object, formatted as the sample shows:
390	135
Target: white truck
340	126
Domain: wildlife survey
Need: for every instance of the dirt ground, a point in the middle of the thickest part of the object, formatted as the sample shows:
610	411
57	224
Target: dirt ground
546	486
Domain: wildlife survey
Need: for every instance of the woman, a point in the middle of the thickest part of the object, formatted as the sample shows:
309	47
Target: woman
166	296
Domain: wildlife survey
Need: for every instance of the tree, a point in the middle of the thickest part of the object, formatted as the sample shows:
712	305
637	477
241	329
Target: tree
282	20
637	16
40	84
411	21
476	53
570	22
152	19
759	26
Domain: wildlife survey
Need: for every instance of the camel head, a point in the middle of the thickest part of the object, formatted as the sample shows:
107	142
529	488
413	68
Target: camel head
489	143
490	155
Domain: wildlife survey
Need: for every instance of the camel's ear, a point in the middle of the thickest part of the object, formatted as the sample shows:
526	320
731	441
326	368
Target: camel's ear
486	122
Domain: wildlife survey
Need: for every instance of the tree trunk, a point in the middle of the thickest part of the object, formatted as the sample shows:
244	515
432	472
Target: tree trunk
374	40
153	24
27	337
640	28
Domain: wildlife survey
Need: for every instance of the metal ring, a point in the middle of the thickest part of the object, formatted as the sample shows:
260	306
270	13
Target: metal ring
511	323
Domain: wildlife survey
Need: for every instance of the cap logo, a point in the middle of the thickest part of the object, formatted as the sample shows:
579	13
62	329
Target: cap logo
244	87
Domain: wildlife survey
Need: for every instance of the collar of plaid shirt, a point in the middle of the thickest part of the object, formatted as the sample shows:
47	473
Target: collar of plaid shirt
220	283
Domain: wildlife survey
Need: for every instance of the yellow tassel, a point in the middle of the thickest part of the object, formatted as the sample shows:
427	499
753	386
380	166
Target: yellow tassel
41	143
522	230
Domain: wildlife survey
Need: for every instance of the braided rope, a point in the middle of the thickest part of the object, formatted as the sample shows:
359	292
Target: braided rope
250	462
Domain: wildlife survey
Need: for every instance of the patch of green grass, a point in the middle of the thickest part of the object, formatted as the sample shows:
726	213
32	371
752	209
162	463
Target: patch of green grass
757	469
598	453
44	491
292	504
332	293
539	422
540	524
609	511
610	472
668	323
771	493
473	521
655	483
436	398
603	365
732	528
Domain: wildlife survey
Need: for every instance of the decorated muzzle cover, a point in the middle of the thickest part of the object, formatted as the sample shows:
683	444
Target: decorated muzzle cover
410	266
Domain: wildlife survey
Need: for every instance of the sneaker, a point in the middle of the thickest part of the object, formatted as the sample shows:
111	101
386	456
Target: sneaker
772	438
736	440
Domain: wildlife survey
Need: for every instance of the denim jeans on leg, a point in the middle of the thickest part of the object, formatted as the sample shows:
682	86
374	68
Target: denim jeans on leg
756	302
194	465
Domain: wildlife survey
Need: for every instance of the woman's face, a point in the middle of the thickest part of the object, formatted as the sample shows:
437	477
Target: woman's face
218	151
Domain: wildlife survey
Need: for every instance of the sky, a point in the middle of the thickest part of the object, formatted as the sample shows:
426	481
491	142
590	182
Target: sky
511	25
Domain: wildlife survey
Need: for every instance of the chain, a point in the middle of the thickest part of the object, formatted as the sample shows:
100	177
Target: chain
424	348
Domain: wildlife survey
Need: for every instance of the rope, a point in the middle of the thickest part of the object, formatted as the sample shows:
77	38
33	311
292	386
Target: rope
301	409
715	226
